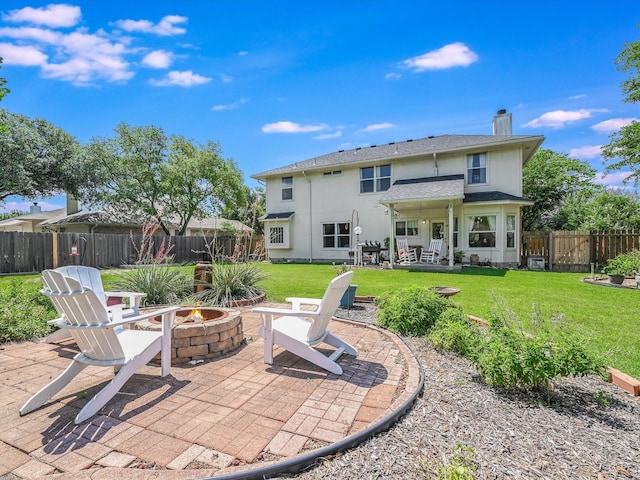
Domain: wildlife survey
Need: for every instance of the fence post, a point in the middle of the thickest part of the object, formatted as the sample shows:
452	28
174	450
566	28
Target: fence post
550	243
55	249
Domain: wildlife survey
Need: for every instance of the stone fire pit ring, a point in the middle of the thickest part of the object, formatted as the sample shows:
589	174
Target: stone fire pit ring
218	331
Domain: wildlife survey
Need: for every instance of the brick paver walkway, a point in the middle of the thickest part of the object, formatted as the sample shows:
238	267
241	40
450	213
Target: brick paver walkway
216	417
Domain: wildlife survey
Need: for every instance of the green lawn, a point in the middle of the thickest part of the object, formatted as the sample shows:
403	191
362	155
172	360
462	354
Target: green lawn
607	315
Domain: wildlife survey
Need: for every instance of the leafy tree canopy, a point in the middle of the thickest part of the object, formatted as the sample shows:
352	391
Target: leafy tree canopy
625	143
608	209
550	180
3	81
250	211
170	178
38	159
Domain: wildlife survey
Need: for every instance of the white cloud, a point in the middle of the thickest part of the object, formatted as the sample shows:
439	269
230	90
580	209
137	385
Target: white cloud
392	76
291	127
242	53
226	78
229	106
613	124
561	118
181	79
452	55
377	126
158	59
577	97
53	15
611	179
166	26
588	151
21	55
42	35
326	136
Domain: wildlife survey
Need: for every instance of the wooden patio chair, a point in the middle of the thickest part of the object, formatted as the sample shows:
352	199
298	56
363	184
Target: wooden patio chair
300	331
102	341
432	254
406	254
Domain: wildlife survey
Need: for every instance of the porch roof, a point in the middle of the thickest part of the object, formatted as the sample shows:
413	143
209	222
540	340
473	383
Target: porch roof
415	191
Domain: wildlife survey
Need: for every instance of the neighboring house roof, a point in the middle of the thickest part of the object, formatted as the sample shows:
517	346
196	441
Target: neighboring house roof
108	216
35	218
427	188
409	148
493	196
277	216
217	223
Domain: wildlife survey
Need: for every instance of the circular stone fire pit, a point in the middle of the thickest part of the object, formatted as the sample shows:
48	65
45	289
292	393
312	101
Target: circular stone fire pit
207	333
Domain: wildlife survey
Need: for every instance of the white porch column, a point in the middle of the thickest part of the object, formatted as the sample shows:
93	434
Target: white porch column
450	209
392	230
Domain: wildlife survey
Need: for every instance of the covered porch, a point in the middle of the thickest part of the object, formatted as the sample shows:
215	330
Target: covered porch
424	209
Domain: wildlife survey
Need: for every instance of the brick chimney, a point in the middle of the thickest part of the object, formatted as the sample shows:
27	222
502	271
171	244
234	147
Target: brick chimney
502	123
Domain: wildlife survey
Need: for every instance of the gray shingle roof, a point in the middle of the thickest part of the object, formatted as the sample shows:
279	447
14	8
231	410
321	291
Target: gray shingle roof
493	196
409	148
277	216
428	188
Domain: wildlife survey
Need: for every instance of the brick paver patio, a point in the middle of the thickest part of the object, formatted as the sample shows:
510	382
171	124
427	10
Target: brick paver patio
212	418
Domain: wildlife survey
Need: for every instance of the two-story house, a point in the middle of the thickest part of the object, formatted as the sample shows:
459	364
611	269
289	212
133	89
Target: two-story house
466	189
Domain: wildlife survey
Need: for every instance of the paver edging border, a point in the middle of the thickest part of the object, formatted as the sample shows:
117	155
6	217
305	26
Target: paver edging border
298	463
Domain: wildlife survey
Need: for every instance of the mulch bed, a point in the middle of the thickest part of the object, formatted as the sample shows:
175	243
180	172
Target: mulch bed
584	428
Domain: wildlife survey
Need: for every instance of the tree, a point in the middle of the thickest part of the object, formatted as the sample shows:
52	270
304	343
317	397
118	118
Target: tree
608	209
38	159
3	81
249	212
172	179
625	143
551	180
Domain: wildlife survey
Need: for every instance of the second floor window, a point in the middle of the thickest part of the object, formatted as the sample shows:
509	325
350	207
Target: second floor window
375	179
477	168
287	188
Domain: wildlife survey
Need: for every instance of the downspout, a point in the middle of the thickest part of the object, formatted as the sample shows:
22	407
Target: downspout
310	220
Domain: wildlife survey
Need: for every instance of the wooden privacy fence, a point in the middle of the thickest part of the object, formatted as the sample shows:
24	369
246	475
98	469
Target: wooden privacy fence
577	251
33	252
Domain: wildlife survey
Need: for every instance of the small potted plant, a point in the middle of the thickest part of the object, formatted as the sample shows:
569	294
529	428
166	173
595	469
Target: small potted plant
350	294
622	266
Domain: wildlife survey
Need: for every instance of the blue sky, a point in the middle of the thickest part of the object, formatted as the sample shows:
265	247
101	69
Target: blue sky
281	81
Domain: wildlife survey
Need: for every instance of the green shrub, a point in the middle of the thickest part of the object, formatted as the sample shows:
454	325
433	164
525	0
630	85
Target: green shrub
512	358
231	282
453	331
24	312
624	264
411	311
163	285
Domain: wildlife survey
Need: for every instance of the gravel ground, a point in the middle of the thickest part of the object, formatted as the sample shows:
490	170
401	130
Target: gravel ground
585	428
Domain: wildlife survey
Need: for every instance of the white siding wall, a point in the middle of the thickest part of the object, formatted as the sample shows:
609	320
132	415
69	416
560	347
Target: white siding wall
333	198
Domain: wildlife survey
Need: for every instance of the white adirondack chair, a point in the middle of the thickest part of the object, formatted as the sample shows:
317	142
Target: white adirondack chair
299	331
406	254
90	277
102	341
432	254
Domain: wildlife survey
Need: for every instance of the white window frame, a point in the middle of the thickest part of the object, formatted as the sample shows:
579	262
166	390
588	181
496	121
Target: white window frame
337	235
481	234
482	166
415	227
511	229
287	185
283	236
380	182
